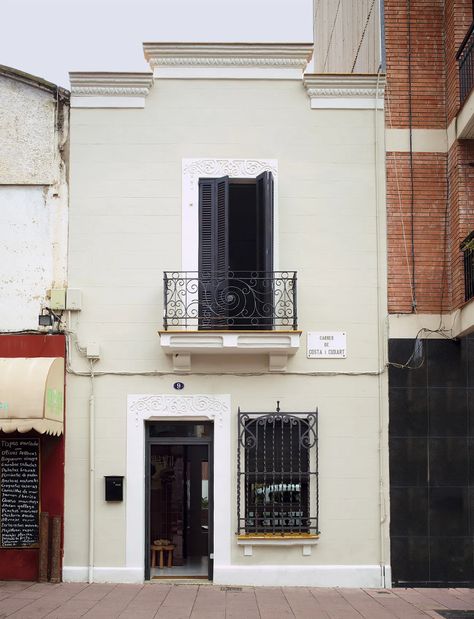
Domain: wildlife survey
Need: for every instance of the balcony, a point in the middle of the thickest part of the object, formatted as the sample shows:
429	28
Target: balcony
467	247
465	58
230	312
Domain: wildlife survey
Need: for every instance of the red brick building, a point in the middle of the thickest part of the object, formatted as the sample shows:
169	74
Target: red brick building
430	214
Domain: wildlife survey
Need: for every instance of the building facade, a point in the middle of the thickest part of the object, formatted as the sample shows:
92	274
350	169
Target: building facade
227	401
34	117
430	213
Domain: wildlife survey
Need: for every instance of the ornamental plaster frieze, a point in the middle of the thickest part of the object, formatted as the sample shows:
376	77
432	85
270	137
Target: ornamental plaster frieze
228	60
193	169
146	406
94	89
345	91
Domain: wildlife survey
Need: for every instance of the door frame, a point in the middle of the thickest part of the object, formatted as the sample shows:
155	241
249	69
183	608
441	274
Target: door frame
192	407
180	440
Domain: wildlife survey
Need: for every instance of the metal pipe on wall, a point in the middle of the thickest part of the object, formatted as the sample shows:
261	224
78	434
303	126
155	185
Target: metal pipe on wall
91	476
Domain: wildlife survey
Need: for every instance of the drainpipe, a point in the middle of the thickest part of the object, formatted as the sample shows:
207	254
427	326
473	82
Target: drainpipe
381	336
91	476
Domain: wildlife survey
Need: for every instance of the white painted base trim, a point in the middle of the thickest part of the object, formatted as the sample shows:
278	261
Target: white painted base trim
303	576
104	574
257	575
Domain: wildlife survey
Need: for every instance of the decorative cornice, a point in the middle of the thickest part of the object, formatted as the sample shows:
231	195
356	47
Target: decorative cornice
341	92
363	90
226	59
106	91
119	89
228	62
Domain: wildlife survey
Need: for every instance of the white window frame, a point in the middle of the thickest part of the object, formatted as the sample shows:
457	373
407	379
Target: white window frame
193	170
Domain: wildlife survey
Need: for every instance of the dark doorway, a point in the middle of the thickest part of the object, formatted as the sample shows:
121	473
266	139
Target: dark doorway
179	505
236	253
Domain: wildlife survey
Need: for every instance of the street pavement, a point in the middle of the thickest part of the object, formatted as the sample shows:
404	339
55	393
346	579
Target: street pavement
22	600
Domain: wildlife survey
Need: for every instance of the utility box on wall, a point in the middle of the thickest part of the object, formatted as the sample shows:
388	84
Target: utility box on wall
114	487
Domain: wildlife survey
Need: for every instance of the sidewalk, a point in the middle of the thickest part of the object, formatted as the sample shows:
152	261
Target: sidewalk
21	600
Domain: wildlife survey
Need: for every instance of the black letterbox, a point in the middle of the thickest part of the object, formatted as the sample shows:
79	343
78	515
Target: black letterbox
114	487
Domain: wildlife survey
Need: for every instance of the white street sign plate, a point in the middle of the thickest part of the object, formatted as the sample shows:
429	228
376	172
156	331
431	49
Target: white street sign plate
326	345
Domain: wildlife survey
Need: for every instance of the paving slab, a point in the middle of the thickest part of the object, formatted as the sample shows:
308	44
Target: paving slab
199	601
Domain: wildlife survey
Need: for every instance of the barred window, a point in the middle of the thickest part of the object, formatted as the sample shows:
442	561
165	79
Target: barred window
277	486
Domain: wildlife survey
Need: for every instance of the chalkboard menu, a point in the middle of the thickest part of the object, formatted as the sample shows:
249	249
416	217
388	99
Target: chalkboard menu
19	492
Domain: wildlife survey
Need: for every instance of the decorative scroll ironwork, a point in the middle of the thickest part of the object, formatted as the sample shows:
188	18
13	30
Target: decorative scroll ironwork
277	473
465	58
230	300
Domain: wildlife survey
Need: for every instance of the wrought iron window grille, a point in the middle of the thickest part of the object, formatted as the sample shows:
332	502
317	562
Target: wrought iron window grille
230	300
277	473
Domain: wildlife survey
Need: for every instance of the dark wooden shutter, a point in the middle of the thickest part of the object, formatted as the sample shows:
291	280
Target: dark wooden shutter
213	251
265	251
265	220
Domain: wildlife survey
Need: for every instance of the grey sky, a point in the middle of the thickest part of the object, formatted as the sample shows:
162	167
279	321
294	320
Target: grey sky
48	38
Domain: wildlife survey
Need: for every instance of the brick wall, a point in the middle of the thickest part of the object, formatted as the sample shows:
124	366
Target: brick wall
429	174
427	63
458	21
443	212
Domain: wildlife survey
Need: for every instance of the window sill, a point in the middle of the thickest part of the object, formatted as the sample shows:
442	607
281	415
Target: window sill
278	345
303	540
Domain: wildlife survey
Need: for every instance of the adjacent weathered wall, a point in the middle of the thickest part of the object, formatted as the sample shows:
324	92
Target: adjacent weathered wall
346	36
33	197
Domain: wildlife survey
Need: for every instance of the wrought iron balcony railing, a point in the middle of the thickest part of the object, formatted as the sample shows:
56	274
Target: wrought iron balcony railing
467	247
230	300
465	58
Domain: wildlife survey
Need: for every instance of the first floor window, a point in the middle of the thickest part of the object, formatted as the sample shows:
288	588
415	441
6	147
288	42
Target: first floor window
277	486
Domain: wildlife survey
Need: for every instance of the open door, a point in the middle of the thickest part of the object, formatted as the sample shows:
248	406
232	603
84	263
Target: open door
179	526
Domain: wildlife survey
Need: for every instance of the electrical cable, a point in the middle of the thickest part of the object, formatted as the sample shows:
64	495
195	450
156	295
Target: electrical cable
399	195
416	348
444	274
412	182
363	36
330	36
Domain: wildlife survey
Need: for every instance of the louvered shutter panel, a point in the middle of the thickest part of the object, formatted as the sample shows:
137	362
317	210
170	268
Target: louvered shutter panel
265	253
213	251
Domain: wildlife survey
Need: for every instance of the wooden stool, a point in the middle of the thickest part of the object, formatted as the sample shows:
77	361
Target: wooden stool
161	549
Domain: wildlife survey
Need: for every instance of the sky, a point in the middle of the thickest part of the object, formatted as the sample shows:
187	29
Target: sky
48	38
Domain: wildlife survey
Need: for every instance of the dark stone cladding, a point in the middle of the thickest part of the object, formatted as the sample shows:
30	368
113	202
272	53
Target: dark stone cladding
431	447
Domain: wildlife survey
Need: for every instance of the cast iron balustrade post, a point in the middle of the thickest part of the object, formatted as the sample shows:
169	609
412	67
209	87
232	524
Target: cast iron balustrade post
295	307
165	294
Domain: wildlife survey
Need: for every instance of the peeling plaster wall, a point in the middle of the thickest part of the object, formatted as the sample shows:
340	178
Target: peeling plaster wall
33	200
27	134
